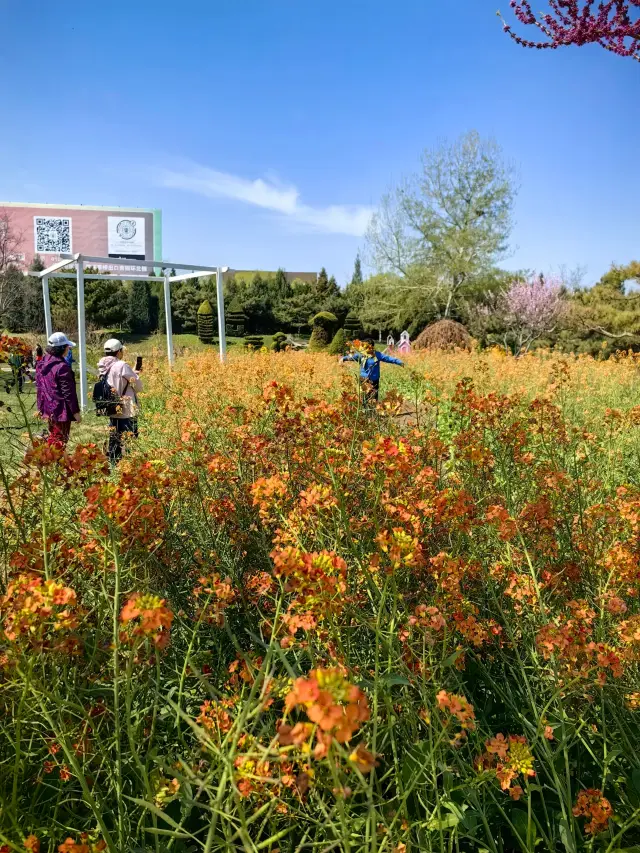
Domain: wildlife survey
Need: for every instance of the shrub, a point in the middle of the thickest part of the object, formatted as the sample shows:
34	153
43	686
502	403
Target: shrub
254	342
139	315
235	319
278	342
353	327
444	334
338	345
322	325
205	322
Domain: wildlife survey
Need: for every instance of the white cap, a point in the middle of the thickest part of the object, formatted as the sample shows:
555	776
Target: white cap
59	339
113	345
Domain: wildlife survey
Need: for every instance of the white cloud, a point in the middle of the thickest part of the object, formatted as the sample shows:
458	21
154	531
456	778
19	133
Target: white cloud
268	194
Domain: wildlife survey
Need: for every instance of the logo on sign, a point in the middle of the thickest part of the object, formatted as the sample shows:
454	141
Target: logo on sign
126	229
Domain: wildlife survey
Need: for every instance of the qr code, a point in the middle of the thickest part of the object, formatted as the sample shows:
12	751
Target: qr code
53	235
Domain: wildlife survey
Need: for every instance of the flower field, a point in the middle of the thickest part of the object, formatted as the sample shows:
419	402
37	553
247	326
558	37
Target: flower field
288	623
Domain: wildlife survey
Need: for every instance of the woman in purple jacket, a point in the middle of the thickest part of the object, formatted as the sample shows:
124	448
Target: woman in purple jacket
56	390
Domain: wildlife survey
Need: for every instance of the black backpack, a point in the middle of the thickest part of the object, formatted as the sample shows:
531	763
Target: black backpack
108	403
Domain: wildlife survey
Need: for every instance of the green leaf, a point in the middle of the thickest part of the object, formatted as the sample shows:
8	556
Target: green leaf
446	822
391	680
635	778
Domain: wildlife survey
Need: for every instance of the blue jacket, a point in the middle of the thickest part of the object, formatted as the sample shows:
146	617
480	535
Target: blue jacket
370	367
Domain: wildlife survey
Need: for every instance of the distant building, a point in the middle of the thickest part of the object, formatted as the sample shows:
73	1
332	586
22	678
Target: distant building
247	275
49	230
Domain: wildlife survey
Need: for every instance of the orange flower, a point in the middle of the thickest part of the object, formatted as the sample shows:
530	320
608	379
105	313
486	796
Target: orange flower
32	843
592	805
458	707
146	616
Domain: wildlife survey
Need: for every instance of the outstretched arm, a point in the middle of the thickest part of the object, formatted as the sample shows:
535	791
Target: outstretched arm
350	357
389	359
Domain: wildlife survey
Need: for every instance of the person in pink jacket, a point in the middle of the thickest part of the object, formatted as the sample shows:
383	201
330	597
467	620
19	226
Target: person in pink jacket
127	384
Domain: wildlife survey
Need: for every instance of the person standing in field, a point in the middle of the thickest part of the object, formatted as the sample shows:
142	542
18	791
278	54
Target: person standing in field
56	396
369	359
126	384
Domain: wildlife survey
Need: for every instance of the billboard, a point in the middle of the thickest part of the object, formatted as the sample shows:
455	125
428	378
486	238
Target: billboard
49	230
125	236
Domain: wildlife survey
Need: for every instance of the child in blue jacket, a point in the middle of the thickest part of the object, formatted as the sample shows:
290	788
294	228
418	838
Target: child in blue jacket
369	361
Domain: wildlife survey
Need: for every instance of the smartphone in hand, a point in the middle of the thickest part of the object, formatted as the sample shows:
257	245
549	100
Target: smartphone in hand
138	363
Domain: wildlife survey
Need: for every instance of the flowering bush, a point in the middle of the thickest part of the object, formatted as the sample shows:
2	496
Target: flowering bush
284	622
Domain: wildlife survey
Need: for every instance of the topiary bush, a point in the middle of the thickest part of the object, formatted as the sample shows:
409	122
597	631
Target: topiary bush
323	325
444	334
338	345
353	327
235	319
205	322
279	342
253	342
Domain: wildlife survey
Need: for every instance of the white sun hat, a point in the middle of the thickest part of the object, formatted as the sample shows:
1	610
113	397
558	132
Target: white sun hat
59	339
113	345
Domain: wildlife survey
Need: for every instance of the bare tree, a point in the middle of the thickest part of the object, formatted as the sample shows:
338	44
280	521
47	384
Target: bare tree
10	274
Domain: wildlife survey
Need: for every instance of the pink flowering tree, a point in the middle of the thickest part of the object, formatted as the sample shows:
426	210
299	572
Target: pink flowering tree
530	310
613	24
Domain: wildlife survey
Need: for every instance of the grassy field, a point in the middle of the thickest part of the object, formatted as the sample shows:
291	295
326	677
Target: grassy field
289	623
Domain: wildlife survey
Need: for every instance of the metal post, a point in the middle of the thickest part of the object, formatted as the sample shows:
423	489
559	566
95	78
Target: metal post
47	306
82	336
220	298
167	314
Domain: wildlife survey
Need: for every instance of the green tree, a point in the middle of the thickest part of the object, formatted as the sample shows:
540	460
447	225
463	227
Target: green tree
185	301
609	311
296	312
448	224
281	286
139	313
356	278
107	303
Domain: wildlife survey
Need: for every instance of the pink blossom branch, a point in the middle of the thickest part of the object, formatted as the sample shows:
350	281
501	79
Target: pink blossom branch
613	24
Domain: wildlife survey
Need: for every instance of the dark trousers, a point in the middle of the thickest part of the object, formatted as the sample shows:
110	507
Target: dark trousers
118	427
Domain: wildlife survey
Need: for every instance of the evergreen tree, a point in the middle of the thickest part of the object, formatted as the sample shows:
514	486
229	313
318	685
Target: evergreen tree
107	302
356	278
338	345
185	302
139	316
281	286
205	322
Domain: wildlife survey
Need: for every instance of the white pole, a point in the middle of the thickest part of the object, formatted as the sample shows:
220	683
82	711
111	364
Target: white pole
47	306
82	336
167	314
220	298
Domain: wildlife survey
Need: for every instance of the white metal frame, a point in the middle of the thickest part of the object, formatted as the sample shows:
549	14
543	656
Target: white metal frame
78	261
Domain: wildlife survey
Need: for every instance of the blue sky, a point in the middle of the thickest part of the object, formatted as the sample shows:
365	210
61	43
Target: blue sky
267	129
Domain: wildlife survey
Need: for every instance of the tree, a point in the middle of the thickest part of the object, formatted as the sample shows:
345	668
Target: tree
356	278
205	322
281	286
139	314
303	303
32	307
107	303
531	310
613	24
608	311
185	301
10	276
448	225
